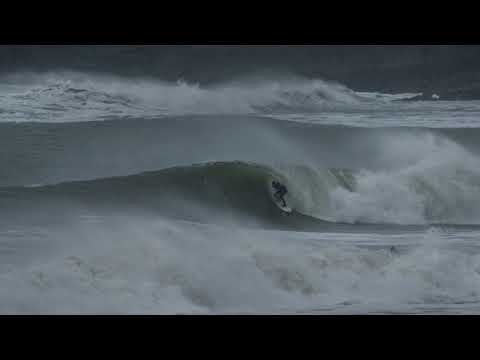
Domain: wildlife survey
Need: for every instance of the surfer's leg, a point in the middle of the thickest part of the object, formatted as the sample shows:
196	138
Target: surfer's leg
277	196
281	195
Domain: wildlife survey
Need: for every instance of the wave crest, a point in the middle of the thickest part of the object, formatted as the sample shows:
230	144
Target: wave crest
71	97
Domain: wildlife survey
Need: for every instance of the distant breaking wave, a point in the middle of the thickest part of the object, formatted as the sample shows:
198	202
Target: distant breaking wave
72	97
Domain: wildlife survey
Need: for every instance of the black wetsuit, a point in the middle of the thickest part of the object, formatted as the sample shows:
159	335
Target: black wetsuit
281	191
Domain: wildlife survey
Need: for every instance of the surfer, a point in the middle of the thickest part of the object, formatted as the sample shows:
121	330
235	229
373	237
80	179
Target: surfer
280	192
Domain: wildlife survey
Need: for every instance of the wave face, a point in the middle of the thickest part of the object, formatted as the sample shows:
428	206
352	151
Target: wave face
441	192
235	192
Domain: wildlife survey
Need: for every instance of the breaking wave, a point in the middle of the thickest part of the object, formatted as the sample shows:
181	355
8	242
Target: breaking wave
443	192
72	97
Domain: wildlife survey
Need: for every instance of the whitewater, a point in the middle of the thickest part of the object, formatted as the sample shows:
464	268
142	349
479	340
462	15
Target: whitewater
134	195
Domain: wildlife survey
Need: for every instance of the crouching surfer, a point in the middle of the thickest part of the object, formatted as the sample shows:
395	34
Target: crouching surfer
280	192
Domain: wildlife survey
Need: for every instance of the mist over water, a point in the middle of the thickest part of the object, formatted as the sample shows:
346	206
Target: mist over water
137	195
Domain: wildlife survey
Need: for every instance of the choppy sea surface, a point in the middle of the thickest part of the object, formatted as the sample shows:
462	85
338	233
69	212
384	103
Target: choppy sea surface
134	196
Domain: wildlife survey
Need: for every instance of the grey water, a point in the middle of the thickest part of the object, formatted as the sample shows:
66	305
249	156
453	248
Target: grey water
135	194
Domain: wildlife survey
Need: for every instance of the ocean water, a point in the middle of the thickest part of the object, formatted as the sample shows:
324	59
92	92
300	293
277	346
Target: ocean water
137	196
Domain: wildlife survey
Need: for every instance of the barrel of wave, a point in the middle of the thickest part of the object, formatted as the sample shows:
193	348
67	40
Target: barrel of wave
309	188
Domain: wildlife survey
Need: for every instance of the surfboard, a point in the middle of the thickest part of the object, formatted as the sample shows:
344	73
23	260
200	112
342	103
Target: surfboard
286	209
